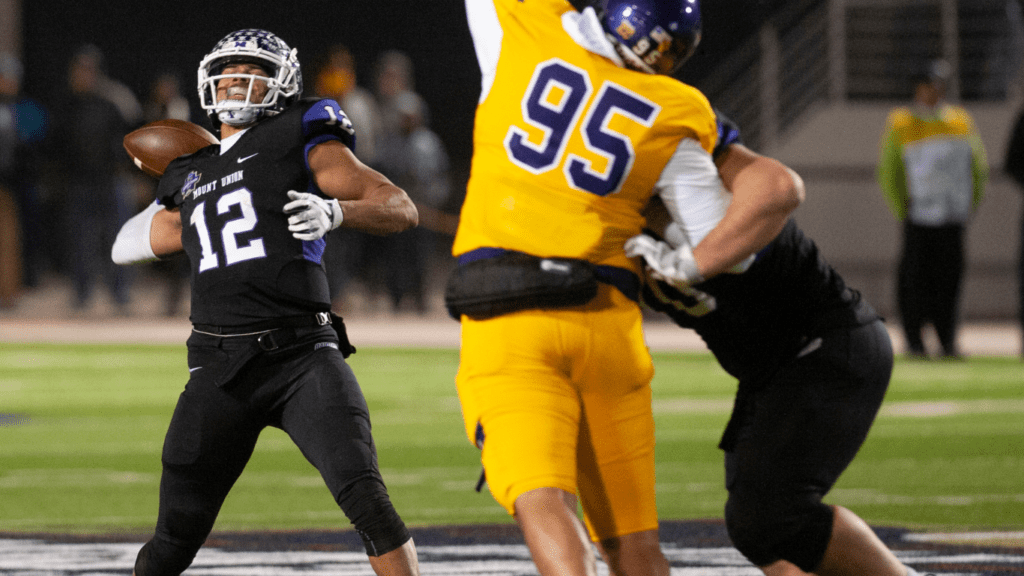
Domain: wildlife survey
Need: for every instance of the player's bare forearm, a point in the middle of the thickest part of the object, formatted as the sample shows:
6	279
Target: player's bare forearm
437	220
385	209
369	201
765	192
165	234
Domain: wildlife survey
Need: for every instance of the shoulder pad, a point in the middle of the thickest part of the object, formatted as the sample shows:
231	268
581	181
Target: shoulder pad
900	116
169	192
957	115
692	112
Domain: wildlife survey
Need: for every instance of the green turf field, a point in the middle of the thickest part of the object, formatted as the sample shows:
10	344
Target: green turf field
81	428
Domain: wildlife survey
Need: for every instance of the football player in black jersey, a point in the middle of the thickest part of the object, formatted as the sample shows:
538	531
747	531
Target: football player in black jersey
813	361
265	349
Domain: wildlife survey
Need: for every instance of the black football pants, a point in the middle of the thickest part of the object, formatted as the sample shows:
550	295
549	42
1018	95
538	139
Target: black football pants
791	438
307	390
928	283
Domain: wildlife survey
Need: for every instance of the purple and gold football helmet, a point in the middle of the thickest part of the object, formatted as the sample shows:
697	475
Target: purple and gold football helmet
654	36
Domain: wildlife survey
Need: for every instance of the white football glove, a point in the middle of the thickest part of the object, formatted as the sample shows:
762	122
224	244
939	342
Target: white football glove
673	265
312	217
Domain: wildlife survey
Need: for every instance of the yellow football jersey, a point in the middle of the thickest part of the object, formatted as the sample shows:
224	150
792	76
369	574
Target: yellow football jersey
932	168
568	146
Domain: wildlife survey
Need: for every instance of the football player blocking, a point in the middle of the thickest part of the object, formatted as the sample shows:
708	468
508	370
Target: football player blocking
265	349
577	126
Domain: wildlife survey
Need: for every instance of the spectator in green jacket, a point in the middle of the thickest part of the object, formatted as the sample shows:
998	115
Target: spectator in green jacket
932	171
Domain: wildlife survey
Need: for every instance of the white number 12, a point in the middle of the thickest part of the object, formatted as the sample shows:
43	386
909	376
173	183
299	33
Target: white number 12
233	253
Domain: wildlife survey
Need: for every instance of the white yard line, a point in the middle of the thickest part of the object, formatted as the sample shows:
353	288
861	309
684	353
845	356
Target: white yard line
31	557
434	331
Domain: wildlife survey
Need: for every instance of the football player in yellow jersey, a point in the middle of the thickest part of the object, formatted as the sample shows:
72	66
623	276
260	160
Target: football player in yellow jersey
578	125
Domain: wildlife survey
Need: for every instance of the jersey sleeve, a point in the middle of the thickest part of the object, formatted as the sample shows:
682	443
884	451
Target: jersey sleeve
692	191
170	191
979	163
890	172
728	133
324	120
690	113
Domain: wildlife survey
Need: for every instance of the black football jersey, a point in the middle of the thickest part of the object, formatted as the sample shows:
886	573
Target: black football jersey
755	321
246	268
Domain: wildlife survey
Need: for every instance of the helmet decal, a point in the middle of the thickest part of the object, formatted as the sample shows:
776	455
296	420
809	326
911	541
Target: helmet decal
626	31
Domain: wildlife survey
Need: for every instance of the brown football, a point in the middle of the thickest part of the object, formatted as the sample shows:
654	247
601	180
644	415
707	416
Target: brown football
153	146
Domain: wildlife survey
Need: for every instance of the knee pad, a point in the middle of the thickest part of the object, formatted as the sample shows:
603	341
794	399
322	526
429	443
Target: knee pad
797	531
366	504
160	557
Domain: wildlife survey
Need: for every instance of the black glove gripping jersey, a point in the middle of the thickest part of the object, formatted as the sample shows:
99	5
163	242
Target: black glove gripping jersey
247	269
758	320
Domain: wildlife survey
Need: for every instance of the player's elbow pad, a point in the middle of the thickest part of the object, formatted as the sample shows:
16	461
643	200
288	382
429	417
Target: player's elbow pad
132	245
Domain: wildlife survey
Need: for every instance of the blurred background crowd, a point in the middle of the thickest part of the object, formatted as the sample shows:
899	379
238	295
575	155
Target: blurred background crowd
810	82
63	168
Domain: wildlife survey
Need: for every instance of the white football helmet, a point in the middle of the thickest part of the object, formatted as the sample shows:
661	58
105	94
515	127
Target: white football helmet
284	77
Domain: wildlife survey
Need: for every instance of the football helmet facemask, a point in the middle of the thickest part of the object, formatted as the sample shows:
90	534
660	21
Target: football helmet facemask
653	36
254	46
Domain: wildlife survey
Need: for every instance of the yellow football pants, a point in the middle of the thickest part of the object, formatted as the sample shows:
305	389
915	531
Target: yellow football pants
563	398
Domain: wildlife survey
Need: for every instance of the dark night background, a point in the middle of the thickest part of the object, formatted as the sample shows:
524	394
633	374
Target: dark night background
142	39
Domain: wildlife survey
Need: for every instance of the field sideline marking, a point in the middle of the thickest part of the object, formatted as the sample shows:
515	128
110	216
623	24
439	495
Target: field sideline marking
915	409
1009	539
30	556
981	339
953	407
963	536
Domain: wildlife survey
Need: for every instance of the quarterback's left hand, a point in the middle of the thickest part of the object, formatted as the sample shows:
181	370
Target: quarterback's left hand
312	217
676	266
